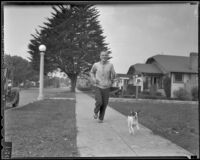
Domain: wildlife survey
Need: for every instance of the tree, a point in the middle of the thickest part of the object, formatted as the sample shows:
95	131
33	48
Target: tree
74	40
19	69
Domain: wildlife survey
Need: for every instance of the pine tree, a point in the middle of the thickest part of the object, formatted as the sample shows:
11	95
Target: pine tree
74	39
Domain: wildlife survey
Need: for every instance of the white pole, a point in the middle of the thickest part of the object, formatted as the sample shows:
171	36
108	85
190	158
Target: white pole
41	96
42	49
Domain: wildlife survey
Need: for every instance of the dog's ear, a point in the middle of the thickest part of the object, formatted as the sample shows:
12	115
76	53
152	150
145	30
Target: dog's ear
139	111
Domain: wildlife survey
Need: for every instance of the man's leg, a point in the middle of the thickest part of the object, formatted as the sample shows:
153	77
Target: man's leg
105	98
98	98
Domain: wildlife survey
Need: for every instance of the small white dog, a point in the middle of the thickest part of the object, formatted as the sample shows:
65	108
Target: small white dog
133	122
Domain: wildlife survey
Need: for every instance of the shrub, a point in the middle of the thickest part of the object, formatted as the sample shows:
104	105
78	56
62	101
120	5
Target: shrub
158	94
145	93
182	94
194	92
148	96
27	84
132	89
167	86
153	90
84	88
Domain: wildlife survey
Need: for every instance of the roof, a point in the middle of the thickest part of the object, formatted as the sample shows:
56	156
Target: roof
122	75
172	63
144	68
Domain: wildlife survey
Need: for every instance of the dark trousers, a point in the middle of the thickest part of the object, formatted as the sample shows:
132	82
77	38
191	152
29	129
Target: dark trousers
101	97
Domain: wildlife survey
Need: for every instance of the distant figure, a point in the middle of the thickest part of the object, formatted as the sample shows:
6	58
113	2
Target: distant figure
102	75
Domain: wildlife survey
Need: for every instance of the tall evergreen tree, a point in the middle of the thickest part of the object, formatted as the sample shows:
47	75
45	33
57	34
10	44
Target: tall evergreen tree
74	40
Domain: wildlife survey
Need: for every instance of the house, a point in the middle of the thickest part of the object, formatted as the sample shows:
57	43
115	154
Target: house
182	70
121	80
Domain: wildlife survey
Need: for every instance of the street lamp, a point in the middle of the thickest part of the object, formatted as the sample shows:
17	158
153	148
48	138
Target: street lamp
42	49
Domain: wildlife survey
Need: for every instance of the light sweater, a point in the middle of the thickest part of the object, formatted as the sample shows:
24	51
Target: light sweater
103	73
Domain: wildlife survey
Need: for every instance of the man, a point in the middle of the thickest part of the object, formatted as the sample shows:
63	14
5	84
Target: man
102	75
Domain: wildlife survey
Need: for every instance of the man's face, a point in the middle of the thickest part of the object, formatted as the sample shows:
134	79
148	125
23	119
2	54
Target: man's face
104	56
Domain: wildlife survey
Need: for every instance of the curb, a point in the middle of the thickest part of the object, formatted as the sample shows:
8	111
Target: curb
151	100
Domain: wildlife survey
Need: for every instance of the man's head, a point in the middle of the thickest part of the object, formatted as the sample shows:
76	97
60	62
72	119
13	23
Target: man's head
104	56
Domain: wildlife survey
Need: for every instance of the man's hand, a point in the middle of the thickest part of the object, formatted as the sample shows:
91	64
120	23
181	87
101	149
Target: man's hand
96	81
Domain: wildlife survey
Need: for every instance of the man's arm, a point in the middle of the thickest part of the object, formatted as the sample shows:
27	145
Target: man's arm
92	73
113	73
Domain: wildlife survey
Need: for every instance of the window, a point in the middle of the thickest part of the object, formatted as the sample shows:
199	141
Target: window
178	77
138	80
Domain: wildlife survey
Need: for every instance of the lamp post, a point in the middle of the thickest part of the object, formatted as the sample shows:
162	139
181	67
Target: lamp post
42	49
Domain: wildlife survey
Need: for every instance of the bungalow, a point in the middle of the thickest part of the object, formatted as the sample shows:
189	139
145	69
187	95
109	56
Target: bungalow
182	70
121	80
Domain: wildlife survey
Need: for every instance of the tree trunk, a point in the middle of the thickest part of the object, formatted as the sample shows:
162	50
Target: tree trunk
73	82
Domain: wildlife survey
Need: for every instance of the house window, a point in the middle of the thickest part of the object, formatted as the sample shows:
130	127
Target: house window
178	77
138	80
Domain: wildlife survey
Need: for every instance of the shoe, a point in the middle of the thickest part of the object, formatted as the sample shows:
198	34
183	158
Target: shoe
95	116
100	121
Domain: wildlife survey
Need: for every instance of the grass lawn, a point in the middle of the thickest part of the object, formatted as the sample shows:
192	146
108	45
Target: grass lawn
176	122
42	129
59	93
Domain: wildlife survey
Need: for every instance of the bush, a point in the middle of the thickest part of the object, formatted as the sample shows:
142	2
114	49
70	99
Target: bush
148	96
132	89
158	94
145	93
128	96
84	88
182	94
167	86
194	92
153	90
27	84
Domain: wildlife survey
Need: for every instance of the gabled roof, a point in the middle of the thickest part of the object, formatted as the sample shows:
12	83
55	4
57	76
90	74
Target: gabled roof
144	68
172	63
122	75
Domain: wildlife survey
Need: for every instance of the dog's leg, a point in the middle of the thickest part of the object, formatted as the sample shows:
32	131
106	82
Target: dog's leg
137	126
132	129
129	128
130	132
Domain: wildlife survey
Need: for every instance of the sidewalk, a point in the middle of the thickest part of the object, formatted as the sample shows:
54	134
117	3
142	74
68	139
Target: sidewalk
111	138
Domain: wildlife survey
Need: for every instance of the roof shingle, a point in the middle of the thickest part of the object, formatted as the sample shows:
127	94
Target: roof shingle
173	63
144	68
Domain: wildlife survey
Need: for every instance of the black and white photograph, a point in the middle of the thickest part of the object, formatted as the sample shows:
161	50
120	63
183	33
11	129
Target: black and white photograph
100	79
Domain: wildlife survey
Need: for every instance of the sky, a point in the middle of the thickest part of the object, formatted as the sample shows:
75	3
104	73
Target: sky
134	32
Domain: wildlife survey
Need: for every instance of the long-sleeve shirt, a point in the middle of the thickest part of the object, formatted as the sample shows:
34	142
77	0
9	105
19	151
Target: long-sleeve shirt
103	73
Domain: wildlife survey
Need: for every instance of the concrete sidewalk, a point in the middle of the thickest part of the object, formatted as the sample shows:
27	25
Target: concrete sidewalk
111	138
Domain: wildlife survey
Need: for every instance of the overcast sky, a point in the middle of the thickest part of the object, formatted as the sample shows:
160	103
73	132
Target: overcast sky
134	32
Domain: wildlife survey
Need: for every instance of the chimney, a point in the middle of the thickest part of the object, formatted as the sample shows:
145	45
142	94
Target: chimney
193	61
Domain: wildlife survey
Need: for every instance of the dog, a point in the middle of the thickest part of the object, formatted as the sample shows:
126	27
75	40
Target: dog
133	122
